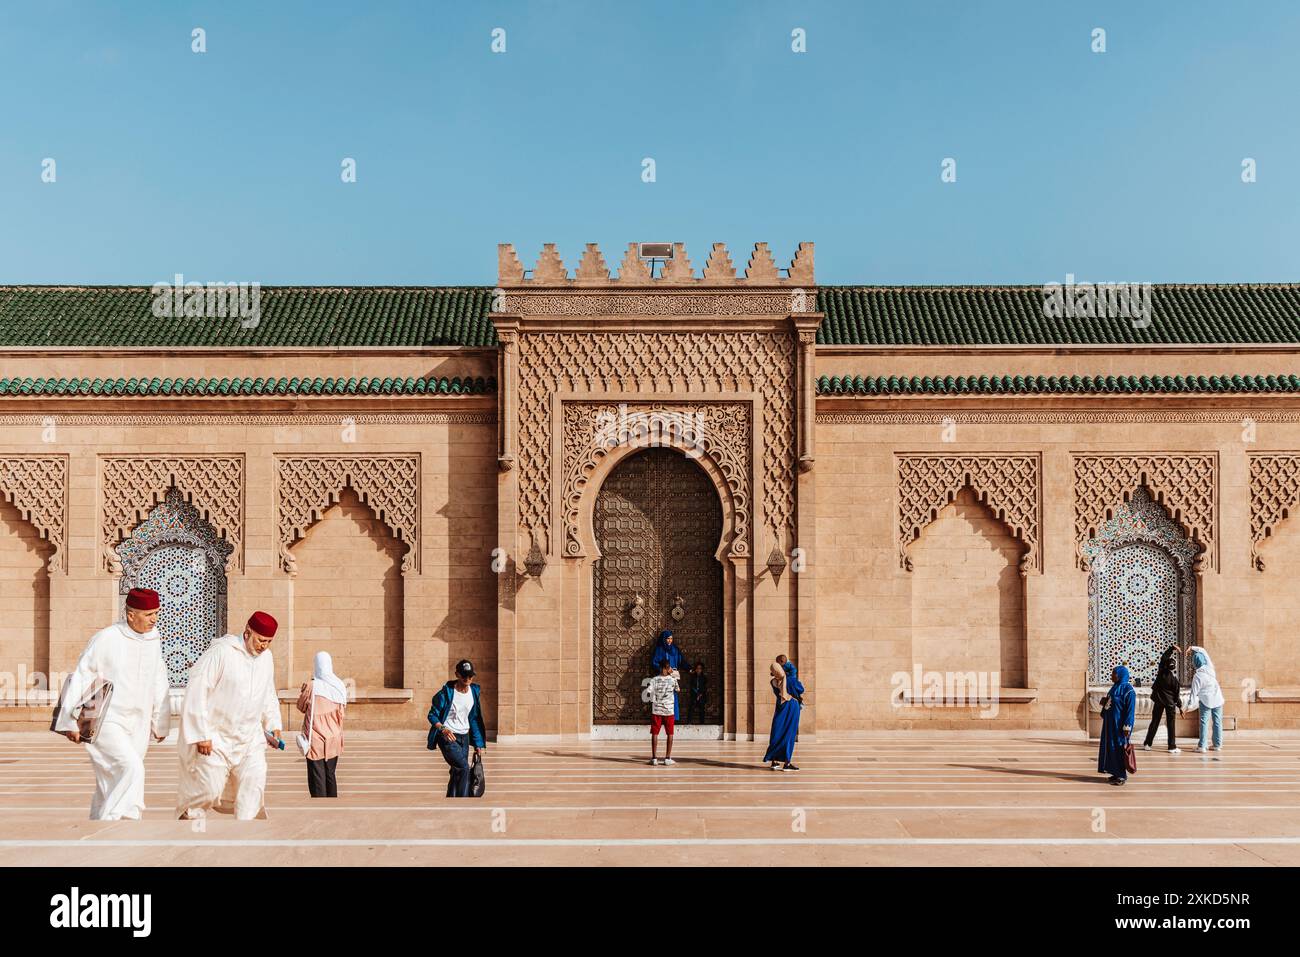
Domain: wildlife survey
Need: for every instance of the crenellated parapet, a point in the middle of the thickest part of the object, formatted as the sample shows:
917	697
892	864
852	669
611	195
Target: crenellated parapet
593	271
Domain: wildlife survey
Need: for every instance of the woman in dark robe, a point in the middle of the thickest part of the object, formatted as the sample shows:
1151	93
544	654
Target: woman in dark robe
1165	699
1117	712
666	650
785	722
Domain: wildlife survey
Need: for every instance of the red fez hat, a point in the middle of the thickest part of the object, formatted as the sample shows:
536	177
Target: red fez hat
142	599
263	624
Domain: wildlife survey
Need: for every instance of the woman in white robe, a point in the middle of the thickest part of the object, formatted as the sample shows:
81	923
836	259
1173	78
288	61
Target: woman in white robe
132	660
230	711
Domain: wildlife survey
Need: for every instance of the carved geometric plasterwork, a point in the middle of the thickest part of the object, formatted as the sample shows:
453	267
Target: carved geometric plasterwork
309	485
720	431
1274	495
1008	484
1184	483
133	485
37	485
683	366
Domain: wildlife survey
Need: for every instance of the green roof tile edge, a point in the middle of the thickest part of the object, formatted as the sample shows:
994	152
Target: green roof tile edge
173	387
859	386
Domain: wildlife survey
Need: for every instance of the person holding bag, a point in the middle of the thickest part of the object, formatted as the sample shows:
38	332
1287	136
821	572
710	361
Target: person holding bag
115	703
456	729
323	701
1118	710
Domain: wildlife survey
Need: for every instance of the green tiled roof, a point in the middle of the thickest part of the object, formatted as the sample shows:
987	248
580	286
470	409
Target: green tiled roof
290	316
89	316
248	386
1054	385
1013	315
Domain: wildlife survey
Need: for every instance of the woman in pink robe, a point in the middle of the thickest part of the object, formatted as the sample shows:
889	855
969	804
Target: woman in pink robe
322	702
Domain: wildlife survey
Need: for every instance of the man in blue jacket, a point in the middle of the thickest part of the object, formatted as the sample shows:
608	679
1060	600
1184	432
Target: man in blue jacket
457	722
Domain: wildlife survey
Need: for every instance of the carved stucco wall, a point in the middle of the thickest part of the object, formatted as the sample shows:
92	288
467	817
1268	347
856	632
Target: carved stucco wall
132	485
1185	483
1274	494
704	364
37	485
1009	484
308	485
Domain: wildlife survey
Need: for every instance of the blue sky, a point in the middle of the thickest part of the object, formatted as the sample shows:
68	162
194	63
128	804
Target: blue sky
1119	166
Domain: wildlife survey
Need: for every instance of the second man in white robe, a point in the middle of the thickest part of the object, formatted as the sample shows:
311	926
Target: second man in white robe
230	715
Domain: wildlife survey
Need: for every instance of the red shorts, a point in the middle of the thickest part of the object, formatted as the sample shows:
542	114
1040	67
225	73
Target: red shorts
664	721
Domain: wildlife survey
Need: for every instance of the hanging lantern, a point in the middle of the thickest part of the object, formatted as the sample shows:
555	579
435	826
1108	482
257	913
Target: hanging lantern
535	561
776	563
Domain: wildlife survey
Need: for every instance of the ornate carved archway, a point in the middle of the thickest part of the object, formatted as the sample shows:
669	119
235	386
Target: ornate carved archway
1274	496
308	485
1185	483
133	485
597	435
37	485
1008	484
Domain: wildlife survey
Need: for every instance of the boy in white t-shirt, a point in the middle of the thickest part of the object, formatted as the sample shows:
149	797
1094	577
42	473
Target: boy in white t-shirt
663	697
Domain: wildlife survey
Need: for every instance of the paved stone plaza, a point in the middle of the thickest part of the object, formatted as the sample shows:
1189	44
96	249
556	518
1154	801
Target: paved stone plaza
957	798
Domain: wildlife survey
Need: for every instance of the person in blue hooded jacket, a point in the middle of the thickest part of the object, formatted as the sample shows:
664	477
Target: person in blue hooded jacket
456	720
666	650
1118	710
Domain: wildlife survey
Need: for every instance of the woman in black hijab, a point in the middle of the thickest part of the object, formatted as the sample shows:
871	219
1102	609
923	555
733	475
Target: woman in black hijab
1165	699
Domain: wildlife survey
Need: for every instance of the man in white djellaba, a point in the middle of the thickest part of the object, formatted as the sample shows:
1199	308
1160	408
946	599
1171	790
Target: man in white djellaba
231	715
128	654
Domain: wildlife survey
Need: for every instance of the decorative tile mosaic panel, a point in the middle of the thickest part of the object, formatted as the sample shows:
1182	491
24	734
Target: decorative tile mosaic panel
1141	590
180	556
1137	603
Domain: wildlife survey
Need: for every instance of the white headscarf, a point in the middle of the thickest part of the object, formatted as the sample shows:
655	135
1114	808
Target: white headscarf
325	682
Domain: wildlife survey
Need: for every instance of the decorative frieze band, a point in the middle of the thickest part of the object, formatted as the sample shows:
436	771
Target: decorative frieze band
661	304
1185	483
1274	495
132	485
308	485
1010	484
37	485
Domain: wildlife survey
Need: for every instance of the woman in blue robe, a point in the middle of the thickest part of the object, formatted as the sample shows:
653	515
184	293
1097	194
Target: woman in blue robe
785	721
666	650
1118	710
